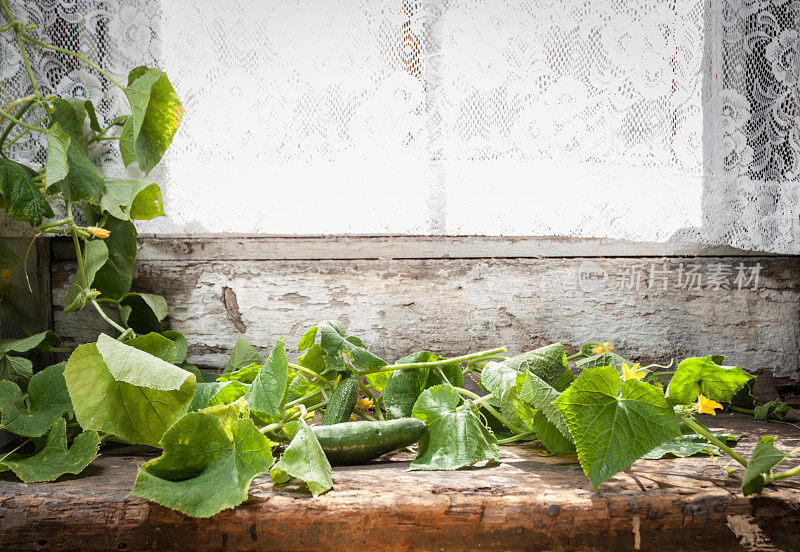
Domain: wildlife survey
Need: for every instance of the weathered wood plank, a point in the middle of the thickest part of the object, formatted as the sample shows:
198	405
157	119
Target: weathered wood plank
528	502
260	248
454	305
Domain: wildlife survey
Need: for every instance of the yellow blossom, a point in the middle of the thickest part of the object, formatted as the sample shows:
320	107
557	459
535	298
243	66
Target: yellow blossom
606	347
364	404
98	232
707	406
631	372
6	276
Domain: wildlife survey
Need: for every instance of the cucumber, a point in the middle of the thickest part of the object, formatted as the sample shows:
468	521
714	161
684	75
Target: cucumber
352	443
342	402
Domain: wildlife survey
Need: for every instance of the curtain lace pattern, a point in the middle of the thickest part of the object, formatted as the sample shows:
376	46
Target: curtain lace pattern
639	120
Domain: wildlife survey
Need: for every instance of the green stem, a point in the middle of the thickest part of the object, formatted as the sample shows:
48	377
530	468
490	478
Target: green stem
81	57
433	364
311	373
477	399
60	222
364	415
15	449
17	318
484	398
23	133
14	120
105	317
784	474
701	430
19	115
62	350
661	374
576	356
518	437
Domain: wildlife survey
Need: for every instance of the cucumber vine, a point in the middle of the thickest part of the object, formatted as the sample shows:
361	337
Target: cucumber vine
219	431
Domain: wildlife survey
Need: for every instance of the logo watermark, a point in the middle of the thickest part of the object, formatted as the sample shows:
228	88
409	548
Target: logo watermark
664	276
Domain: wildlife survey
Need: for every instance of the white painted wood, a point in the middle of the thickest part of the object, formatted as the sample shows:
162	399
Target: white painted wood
451	306
231	248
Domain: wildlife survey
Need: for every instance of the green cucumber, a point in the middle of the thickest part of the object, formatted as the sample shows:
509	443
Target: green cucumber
352	443
342	402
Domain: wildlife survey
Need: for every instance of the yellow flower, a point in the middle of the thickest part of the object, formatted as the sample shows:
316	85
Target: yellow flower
707	406
606	347
364	404
631	373
6	276
98	232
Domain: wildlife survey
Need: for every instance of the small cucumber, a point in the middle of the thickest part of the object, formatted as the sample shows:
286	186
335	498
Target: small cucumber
358	442
342	402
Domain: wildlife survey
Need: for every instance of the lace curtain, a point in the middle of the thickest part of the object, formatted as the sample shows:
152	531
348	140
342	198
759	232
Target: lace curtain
642	120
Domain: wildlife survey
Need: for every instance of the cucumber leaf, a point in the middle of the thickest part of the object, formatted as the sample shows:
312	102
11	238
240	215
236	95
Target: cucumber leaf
156	345
132	199
81	180
404	387
41	341
308	339
604	359
54	459
143	312
181	346
774	408
313	359
267	393
765	457
334	345
243	354
114	278
156	116
245	374
20	195
305	460
456	436
16	369
536	392
126	392
696	376
204	469
548	362
690	444
614	423
48	399
216	393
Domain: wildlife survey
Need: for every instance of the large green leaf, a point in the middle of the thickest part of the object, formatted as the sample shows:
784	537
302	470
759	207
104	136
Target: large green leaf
404	387
765	457
54	460
16	369
126	392
690	444
307	339
204	468
335	345
41	341
539	394
82	180
246	374
313	359
48	399
157	113
95	255
603	359
20	194
114	279
305	460
547	362
614	423
181	346
267	393
696	376
456	437
129	198
57	166
243	354
156	345
143	311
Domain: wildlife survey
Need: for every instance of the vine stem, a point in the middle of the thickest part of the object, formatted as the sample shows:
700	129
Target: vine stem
16	121
311	373
105	317
433	364
703	431
15	449
515	438
74	54
784	474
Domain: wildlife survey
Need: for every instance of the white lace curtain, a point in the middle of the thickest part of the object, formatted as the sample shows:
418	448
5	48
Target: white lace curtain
644	120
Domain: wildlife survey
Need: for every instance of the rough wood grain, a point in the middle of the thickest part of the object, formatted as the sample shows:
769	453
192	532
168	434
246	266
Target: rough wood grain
454	305
528	502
